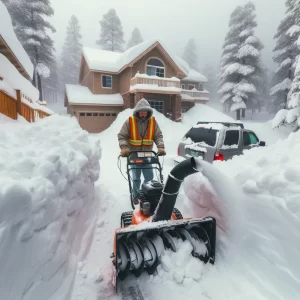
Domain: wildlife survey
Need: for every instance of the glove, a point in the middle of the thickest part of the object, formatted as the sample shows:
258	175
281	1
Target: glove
161	151
124	152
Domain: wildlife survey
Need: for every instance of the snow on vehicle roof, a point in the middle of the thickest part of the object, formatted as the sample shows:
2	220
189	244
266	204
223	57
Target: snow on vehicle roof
82	95
8	34
215	126
13	80
108	61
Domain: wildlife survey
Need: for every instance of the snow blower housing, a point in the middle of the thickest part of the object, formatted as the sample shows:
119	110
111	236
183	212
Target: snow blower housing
157	225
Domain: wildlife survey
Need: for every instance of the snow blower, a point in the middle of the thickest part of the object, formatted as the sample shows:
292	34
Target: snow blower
155	224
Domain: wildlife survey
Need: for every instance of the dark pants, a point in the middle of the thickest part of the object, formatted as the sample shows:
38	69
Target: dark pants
136	177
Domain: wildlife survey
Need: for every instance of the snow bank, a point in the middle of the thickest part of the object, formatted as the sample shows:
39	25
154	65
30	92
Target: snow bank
47	206
81	94
8	34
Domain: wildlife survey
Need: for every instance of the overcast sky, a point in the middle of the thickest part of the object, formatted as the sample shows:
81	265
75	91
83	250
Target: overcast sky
173	21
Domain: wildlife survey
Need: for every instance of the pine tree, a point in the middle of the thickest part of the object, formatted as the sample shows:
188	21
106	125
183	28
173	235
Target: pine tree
190	54
290	114
285	53
241	69
71	54
136	38
31	28
111	35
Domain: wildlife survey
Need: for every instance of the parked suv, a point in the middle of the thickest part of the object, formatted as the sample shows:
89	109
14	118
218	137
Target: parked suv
217	141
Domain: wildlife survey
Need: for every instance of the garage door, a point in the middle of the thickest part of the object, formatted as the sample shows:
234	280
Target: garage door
95	122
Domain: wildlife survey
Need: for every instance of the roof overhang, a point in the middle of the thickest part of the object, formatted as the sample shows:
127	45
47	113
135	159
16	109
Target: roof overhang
8	53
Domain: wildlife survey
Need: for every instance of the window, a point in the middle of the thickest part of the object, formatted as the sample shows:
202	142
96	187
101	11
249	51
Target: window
155	68
107	81
231	138
183	86
246	138
207	136
82	114
253	138
114	114
95	114
250	138
191	86
89	114
107	114
158	105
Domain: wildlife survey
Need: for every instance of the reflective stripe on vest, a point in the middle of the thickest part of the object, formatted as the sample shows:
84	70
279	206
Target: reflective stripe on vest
134	139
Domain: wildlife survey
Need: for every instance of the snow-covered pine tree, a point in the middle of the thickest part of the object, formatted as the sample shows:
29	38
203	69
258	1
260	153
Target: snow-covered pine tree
111	35
291	113
190	54
136	38
285	53
31	28
71	53
241	68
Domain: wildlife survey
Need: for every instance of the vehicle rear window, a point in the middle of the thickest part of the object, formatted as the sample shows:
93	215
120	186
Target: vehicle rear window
205	135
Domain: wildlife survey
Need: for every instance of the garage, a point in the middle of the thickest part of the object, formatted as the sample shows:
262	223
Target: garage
95	122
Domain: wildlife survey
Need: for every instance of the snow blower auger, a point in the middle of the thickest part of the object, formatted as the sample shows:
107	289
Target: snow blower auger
156	225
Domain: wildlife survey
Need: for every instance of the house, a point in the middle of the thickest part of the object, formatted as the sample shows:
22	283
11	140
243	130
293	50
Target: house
17	94
110	82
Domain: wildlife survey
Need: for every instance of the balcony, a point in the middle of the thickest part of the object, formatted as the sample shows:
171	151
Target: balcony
194	95
154	84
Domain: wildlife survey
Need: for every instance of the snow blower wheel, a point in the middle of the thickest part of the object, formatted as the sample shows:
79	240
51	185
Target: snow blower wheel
157	225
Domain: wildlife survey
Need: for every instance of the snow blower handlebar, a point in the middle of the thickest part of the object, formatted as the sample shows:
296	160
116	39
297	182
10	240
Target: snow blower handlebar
170	192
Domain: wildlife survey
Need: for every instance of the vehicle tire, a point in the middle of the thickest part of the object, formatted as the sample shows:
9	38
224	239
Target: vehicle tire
126	219
177	214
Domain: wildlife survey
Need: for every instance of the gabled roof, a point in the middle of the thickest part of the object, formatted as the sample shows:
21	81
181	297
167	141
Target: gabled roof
115	62
11	47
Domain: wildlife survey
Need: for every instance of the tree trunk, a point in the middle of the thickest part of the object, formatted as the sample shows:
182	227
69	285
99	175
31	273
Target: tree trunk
40	86
238	114
243	113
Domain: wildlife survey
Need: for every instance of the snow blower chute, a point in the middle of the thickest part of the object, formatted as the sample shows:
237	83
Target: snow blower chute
157	224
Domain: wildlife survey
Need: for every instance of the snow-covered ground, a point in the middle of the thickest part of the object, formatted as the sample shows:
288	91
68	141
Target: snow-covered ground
48	205
247	217
58	219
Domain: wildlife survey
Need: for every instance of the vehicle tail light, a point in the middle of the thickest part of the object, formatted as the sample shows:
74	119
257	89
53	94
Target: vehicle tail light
219	156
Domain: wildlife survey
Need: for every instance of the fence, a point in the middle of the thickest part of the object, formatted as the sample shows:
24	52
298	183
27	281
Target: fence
11	107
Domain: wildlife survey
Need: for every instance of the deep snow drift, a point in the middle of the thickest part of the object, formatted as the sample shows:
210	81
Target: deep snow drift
47	205
253	209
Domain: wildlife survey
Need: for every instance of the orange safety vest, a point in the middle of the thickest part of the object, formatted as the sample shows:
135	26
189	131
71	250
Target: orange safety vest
135	139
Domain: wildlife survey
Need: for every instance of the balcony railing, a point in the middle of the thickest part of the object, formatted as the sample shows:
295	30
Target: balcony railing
155	81
195	94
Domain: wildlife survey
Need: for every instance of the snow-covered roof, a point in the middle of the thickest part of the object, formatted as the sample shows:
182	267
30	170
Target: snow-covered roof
108	61
78	94
13	80
192	75
8	34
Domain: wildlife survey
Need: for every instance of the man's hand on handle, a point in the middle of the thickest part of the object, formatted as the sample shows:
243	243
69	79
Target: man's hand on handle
124	151
161	152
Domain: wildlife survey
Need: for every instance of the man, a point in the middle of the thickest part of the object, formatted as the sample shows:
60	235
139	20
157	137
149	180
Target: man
139	132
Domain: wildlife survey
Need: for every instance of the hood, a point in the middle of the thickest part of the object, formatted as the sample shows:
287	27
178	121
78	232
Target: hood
143	105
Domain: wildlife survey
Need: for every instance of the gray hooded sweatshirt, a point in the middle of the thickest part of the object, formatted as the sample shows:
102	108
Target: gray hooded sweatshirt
124	134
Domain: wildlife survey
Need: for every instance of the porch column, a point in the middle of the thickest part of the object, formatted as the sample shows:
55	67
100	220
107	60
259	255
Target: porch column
126	99
138	97
176	108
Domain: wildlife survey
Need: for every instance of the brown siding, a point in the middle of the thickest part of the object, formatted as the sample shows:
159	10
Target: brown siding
98	84
125	78
89	82
84	71
141	64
